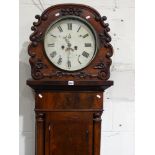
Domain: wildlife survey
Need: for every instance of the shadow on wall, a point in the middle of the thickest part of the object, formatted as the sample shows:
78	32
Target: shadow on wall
26	105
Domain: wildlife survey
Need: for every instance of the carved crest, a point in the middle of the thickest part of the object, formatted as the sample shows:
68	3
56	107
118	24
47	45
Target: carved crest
71	11
41	68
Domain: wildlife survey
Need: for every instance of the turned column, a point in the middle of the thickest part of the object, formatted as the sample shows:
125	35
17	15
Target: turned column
97	132
40	133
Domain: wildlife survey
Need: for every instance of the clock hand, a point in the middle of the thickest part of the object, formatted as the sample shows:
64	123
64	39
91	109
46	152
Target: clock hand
69	49
68	57
66	40
68	45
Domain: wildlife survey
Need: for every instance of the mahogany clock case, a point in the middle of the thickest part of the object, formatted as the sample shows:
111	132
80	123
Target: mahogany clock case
97	70
68	117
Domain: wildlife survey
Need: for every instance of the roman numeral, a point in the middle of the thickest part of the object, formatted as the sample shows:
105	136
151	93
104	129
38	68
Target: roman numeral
85	54
60	29
79	29
53	54
69	64
87	44
86	35
51	45
69	26
53	35
59	61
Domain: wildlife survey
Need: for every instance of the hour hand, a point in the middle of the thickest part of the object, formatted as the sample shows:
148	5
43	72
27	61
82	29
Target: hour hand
66	40
69	49
69	64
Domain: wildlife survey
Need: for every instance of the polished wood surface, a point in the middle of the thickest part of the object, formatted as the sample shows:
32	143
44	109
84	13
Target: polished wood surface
70	133
39	85
43	69
69	105
68	122
62	100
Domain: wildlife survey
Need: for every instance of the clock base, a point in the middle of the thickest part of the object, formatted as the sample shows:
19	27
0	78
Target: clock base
67	121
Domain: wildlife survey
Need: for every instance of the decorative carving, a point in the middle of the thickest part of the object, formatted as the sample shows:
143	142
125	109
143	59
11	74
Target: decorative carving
31	53
37	66
38	22
100	19
97	116
36	36
71	11
61	74
104	18
97	18
105	38
109	53
99	65
44	17
41	67
102	74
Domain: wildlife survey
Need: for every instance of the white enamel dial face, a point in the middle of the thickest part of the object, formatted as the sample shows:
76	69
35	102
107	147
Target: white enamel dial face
70	44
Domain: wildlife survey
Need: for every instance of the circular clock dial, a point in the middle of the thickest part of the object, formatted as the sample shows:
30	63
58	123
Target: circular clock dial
70	44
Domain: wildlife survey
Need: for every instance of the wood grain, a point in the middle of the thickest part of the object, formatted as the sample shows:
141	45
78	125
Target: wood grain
42	68
68	117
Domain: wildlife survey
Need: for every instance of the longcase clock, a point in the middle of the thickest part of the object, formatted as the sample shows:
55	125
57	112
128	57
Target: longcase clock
70	58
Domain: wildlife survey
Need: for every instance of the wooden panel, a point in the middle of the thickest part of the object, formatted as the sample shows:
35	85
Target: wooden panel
69	133
69	100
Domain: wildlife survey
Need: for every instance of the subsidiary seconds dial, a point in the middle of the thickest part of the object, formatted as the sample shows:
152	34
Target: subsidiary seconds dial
70	43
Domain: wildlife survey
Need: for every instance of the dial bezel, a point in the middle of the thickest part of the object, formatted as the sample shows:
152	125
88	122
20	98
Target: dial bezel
84	21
